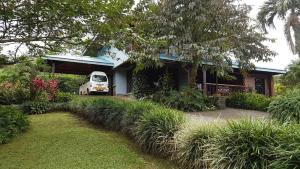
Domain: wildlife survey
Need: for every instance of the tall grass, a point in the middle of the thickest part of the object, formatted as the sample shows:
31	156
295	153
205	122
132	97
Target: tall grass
193	147
155	131
245	144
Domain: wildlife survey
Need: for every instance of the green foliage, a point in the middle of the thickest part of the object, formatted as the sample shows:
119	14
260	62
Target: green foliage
188	100
288	150
286	108
69	83
12	122
36	107
63	97
62	17
142	84
248	101
13	93
155	130
286	10
152	126
245	144
193	147
292	77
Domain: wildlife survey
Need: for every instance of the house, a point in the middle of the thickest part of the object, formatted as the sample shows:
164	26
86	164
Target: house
120	72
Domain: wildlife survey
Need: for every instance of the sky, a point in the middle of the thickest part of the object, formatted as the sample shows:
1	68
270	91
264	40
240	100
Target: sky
285	56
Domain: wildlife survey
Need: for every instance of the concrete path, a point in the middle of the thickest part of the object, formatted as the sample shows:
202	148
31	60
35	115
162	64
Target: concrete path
226	114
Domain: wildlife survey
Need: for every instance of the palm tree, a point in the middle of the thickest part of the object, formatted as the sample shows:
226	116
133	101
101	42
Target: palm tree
288	11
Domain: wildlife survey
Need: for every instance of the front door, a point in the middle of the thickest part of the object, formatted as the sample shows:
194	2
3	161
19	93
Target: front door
260	86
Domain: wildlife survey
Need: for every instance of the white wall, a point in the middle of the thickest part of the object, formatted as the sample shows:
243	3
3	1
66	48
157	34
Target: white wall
120	82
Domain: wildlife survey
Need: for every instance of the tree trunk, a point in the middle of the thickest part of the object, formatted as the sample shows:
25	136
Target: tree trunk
296	28
193	74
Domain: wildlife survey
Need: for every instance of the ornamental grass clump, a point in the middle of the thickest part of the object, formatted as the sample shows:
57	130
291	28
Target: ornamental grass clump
193	147
134	112
245	144
287	151
155	131
286	108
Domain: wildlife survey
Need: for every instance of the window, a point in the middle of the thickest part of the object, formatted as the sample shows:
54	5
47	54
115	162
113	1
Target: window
99	78
260	85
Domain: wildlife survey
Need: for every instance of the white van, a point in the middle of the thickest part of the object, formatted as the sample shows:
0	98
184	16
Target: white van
97	82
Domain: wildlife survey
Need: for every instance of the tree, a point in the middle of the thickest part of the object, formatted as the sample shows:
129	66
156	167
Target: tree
49	25
210	32
288	11
292	77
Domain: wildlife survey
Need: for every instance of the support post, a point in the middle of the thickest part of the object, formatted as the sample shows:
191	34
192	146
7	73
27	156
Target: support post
272	89
204	82
53	67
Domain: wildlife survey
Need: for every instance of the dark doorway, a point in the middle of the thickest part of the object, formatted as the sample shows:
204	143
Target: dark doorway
260	86
129	81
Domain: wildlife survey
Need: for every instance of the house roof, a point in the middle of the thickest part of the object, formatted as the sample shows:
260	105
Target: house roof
173	57
101	60
104	60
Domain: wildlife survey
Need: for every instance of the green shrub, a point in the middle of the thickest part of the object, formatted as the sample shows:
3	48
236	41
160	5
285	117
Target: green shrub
245	144
143	85
134	111
155	130
63	97
248	101
12	122
288	150
36	107
66	83
286	108
193	147
13	93
187	100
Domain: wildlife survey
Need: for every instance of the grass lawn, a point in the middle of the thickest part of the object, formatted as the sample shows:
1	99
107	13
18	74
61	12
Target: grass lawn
62	141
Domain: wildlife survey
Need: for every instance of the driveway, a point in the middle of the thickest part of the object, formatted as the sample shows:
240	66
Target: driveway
226	114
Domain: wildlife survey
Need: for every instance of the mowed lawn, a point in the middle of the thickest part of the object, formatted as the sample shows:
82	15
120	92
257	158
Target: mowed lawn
62	141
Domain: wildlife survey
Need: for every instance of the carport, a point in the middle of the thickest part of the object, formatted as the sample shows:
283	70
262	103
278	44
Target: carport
80	65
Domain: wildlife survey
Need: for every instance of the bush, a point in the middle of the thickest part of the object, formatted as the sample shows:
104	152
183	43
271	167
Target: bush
193	147
134	111
187	100
63	97
12	122
288	150
155	130
36	107
13	93
248	101
143	85
286	108
245	144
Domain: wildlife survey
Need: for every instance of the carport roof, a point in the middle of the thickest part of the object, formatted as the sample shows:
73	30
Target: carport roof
102	60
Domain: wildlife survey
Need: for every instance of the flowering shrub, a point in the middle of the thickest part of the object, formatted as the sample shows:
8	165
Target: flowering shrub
39	86
52	88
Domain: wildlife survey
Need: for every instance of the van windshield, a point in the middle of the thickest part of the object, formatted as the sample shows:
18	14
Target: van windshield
99	78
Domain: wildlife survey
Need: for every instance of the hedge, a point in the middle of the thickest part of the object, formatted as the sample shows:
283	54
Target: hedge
12	122
249	101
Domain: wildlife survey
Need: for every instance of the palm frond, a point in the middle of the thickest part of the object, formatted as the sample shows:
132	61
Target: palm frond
288	34
267	14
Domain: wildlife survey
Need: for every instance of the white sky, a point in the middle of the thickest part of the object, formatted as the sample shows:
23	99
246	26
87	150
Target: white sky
285	56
